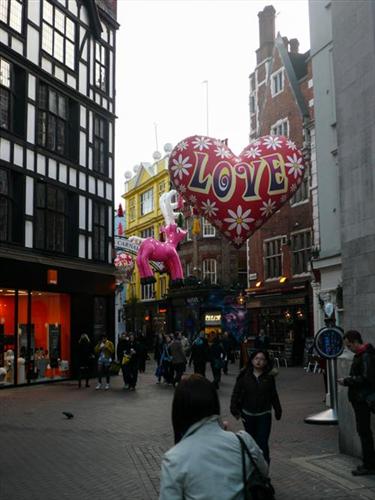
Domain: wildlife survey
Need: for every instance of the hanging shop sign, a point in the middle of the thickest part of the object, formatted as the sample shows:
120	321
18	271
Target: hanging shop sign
213	318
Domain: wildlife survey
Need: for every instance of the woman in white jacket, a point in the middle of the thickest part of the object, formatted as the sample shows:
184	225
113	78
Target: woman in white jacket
206	461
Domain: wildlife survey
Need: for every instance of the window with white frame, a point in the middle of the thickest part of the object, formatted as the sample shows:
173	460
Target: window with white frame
208	229
188	269
147	202
209	271
277	82
189	226
58	35
301	247
273	257
147	292
252	103
11	13
100	66
161	188
281	128
302	193
147	233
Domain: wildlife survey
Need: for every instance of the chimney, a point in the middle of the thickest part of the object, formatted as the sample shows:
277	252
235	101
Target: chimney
266	32
294	45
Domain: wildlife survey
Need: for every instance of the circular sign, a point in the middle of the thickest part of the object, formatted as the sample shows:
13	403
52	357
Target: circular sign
329	342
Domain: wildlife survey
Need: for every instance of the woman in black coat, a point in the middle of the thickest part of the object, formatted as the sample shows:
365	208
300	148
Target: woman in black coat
85	359
254	395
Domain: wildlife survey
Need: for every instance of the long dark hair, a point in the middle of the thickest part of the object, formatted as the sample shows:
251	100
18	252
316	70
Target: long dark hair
195	398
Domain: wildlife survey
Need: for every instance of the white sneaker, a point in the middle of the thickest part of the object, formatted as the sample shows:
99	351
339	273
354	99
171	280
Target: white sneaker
106	387
99	386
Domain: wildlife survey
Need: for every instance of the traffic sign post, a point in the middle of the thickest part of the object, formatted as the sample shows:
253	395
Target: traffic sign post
329	344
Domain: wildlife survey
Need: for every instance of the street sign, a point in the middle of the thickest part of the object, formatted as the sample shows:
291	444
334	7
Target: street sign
329	342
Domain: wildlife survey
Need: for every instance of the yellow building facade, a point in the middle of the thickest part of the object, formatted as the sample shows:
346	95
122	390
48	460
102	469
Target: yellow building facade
144	219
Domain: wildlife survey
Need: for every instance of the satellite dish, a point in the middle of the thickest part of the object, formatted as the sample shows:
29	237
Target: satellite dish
128	175
168	147
156	155
135	168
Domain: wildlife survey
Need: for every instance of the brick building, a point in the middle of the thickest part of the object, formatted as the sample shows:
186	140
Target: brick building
281	103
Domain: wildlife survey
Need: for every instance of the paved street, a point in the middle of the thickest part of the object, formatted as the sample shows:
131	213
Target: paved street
112	447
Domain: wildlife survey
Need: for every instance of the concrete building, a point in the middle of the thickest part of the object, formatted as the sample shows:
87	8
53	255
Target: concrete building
343	53
57	115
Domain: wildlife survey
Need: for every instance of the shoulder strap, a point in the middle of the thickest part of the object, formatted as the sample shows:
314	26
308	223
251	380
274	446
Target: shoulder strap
244	477
246	450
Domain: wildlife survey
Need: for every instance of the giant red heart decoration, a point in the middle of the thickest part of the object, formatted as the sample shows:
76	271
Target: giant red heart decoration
236	194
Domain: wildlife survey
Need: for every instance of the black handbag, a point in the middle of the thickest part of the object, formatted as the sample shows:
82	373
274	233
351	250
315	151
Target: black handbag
257	486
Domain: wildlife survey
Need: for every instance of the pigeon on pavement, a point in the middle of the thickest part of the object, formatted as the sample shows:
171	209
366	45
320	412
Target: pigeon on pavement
68	414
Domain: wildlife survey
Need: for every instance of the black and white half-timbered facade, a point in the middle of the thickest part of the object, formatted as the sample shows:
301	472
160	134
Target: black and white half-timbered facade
57	120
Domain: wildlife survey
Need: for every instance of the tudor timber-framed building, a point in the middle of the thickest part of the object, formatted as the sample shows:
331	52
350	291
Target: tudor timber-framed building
57	114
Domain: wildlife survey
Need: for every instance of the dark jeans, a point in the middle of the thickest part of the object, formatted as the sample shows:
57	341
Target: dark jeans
363	421
130	374
178	370
259	428
103	371
200	367
216	373
83	372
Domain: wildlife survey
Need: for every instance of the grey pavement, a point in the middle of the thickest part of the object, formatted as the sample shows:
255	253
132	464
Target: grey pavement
113	446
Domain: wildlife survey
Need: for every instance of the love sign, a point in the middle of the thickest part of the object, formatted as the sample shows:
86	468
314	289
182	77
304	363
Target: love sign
236	194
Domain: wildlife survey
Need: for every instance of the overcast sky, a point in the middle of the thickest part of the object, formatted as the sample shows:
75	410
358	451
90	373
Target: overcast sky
166	49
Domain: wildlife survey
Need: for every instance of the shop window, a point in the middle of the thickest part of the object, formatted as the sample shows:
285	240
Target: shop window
301	247
147	202
100	145
58	35
99	240
55	220
12	97
48	338
11	206
100	67
7	337
100	317
209	230
57	122
273	258
11	14
209	271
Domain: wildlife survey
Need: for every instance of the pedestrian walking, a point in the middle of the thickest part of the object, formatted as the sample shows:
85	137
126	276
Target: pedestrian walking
254	395
216	355
361	383
85	359
178	359
206	461
199	354
122	348
227	344
104	350
130	363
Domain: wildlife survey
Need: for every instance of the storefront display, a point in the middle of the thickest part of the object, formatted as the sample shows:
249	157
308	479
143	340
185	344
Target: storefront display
42	343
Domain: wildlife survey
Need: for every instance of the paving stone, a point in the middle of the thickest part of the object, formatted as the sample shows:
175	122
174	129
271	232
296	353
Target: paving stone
113	446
